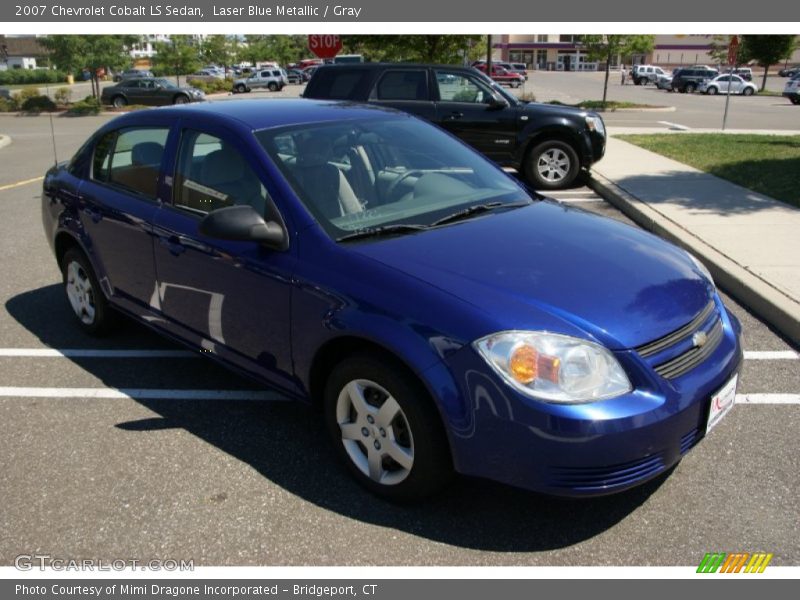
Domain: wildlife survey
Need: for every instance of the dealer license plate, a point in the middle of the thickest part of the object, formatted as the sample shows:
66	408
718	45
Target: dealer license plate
722	402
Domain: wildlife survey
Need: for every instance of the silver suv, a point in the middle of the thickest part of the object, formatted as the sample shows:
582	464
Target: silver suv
273	78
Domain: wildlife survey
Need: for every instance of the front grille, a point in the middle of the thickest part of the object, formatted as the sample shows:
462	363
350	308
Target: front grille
691	358
599	478
669	355
689	440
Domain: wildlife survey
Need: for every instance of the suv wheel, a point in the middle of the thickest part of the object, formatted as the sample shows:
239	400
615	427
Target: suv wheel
795	99
90	306
690	87
272	86
241	88
386	429
552	165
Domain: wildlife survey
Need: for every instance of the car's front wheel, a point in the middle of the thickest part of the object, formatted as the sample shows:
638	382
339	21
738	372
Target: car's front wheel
795	100
180	99
119	101
747	91
552	165
241	88
90	306
386	429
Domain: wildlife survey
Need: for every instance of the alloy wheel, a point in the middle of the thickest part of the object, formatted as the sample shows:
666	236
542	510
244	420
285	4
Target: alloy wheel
80	293
553	165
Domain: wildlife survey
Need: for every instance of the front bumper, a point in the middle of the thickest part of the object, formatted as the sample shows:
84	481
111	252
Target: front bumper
588	449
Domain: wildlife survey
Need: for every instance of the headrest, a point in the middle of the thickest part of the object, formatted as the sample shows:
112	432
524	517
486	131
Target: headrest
222	166
147	153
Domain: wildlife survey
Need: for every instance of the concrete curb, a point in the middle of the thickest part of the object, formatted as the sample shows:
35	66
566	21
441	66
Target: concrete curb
758	295
656	109
4	140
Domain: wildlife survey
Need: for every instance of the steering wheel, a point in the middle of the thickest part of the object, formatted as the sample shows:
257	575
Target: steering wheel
393	186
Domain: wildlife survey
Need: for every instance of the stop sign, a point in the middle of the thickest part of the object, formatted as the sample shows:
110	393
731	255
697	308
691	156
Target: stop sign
324	46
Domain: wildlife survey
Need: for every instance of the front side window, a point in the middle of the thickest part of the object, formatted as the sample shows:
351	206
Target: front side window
131	159
457	87
376	172
211	174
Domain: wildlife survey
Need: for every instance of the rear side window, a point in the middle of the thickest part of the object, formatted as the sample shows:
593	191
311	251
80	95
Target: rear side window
212	174
338	84
403	85
131	159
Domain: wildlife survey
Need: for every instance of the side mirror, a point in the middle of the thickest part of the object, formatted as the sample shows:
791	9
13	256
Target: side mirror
496	103
243	224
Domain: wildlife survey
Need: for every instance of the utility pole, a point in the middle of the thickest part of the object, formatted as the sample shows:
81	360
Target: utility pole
489	55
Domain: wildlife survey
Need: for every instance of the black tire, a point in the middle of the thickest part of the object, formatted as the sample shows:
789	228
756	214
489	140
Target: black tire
76	270
272	86
690	87
181	99
119	101
241	88
540	153
712	91
747	92
416	427
795	100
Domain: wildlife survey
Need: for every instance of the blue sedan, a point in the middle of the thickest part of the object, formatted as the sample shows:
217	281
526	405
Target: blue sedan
445	318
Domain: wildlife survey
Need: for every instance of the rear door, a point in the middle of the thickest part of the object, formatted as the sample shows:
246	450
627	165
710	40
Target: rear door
462	108
408	90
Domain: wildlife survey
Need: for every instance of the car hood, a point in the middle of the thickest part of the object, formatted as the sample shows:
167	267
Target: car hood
620	285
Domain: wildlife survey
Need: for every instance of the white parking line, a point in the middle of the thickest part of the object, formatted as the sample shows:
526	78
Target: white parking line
767	398
138	393
767	355
677	126
94	353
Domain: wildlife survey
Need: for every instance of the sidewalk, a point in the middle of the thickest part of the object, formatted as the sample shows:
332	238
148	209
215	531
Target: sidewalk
750	243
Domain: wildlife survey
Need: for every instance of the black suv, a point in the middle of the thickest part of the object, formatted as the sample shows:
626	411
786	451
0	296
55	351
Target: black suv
548	143
688	79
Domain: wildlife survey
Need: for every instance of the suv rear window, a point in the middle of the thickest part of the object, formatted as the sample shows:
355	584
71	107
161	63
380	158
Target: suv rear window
403	85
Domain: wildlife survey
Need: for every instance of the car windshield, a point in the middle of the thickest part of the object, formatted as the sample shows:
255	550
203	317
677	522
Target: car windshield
165	83
357	176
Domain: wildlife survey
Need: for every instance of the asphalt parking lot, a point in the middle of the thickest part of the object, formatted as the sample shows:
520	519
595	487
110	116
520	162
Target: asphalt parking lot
179	467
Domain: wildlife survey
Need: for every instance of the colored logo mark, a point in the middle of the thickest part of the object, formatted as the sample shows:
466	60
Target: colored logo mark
736	562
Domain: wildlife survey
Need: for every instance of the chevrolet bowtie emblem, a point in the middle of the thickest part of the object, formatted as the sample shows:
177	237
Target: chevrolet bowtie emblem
699	339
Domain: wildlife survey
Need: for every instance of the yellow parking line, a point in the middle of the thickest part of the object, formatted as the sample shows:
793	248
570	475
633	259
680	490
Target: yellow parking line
19	183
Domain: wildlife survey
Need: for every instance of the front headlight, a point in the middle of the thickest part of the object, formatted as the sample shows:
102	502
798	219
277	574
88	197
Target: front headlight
553	367
596	124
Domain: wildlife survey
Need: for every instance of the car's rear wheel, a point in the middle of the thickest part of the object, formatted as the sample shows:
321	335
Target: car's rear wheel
795	100
180	99
747	91
272	86
86	299
119	101
552	165
712	91
690	87
386	429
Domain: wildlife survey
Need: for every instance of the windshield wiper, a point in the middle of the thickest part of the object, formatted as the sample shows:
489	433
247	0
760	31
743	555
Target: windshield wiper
476	209
381	231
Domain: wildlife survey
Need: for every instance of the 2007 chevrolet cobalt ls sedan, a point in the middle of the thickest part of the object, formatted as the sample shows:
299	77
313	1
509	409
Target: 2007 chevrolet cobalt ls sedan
445	318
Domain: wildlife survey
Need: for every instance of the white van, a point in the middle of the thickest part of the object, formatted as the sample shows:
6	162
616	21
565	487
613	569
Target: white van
644	74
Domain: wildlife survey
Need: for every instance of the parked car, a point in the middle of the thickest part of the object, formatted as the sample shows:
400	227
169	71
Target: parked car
297	76
549	144
443	317
664	82
790	71
644	74
274	79
520	68
132	74
150	91
503	76
727	84
792	89
205	75
689	79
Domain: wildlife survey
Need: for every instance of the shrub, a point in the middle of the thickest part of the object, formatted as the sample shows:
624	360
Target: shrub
211	87
31	76
62	96
87	106
8	105
25	94
37	104
527	97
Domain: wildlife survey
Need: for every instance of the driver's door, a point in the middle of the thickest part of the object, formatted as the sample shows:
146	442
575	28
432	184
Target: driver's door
463	108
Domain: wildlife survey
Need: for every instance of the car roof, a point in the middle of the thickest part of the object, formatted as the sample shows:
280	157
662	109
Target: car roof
267	113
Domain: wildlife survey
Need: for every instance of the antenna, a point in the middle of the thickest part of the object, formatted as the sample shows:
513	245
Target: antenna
52	129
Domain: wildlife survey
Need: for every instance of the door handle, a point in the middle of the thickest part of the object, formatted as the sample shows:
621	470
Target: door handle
455	115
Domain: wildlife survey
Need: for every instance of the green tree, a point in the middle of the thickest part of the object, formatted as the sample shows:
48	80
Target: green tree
177	57
73	53
607	47
216	49
445	49
766	50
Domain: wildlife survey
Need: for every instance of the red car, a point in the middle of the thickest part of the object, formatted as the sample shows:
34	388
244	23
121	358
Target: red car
503	76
